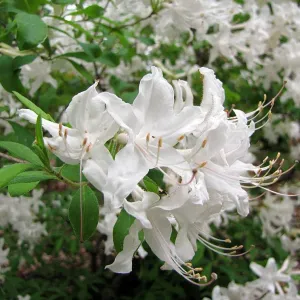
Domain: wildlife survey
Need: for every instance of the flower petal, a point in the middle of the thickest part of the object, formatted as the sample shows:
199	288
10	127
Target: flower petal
123	261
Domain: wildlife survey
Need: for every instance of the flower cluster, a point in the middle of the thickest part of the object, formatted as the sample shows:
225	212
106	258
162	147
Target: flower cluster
268	287
20	214
202	152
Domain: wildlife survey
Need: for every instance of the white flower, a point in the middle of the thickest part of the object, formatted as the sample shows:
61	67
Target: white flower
270	276
3	258
153	218
150	127
91	125
35	74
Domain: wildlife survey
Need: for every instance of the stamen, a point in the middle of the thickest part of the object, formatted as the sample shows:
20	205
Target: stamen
88	148
84	142
159	145
60	129
147	140
204	143
65	133
180	138
202	165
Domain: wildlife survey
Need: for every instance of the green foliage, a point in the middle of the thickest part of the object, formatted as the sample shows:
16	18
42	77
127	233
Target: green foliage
84	213
121	229
31	30
9	172
32	106
21	151
18	189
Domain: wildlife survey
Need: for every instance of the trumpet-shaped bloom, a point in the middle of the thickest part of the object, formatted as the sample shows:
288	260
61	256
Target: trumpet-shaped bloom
91	125
150	127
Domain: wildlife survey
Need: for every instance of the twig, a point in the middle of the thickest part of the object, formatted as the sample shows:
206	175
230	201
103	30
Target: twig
12	158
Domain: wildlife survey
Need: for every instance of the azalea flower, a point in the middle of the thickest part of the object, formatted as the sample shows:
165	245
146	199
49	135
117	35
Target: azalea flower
270	275
153	218
91	125
149	129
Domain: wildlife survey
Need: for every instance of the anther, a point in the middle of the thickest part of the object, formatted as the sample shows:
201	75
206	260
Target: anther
202	165
188	265
65	133
204	143
214	276
160	142
60	129
88	148
180	138
84	142
227	241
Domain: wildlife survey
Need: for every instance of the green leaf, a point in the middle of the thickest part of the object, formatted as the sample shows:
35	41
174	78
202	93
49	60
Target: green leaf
21	151
22	134
26	102
41	151
4	108
82	70
19	189
32	176
10	172
72	172
20	61
39	132
31	30
84	216
9	78
92	50
151	186
121	229
93	11
63	2
110	59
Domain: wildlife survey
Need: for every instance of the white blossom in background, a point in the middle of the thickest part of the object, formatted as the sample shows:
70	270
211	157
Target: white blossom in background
277	213
273	284
20	213
4	262
35	74
26	297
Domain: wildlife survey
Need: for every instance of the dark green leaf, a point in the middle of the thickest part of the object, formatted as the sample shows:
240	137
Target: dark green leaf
151	186
121	229
110	59
22	134
10	172
19	189
20	61
82	71
31	30
8	77
92	50
32	176
21	151
84	214
92	11
63	2
32	106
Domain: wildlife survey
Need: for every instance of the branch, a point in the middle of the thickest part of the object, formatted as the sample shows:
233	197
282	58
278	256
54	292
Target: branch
11	158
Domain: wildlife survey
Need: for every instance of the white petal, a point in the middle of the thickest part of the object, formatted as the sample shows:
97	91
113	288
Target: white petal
139	209
213	92
121	112
125	172
123	261
257	269
78	109
183	245
96	168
